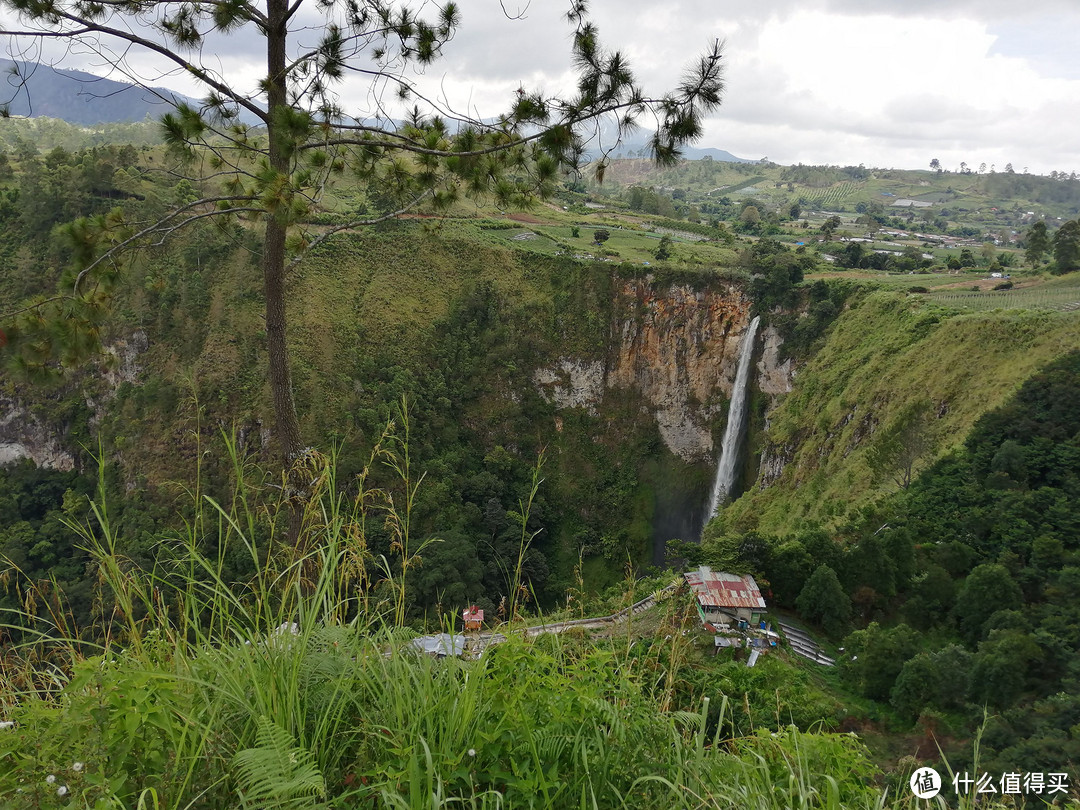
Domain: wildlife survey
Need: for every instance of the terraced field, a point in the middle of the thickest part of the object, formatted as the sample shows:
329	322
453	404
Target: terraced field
836	194
1061	296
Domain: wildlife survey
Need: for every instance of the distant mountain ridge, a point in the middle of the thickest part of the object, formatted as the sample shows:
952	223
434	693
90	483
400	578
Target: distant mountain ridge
78	97
84	99
632	149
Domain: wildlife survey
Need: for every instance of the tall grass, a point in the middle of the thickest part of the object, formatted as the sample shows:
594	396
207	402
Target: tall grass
297	688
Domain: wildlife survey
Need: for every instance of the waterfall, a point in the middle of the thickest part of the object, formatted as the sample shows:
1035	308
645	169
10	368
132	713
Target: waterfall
729	449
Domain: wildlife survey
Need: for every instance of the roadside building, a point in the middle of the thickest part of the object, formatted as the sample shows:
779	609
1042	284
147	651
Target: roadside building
726	600
473	617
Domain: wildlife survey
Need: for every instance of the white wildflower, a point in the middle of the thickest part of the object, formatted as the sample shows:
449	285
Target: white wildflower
50	779
78	766
62	790
472	752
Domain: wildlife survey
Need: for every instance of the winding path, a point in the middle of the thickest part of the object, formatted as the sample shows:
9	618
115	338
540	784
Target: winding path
798	639
593	623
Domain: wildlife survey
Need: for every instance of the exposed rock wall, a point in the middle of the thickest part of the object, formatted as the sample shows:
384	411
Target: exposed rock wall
774	377
677	346
23	435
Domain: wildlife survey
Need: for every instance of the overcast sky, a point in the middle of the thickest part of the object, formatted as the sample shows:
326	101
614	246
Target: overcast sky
888	83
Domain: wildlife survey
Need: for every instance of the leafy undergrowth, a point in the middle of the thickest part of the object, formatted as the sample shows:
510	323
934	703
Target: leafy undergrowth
297	688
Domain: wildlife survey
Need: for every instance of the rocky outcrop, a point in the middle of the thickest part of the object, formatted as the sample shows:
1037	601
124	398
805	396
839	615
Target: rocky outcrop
572	383
774	377
122	363
23	435
772	462
677	346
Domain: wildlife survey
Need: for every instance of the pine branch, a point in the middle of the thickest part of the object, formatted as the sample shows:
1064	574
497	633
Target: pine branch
157	226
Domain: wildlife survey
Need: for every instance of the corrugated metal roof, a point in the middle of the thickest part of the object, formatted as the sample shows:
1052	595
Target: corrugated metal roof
440	644
723	590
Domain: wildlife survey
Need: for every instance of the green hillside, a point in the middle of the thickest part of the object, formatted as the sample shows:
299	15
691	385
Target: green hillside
885	353
454	381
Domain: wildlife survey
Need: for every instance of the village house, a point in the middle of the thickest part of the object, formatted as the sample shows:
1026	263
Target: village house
473	617
724	600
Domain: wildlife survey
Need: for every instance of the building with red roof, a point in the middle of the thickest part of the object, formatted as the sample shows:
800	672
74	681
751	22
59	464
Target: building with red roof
724	599
473	617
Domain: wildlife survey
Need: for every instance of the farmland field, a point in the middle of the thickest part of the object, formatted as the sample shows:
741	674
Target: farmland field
836	194
1060	295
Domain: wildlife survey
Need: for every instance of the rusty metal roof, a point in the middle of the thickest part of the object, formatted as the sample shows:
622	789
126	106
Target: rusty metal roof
723	590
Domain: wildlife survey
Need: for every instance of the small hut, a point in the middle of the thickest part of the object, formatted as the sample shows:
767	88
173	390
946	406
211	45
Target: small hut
724	598
473	617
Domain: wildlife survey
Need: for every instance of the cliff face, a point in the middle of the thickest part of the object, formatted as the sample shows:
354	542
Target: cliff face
24	435
27	434
883	354
676	346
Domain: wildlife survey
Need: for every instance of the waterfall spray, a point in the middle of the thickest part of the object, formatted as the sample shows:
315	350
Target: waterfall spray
729	448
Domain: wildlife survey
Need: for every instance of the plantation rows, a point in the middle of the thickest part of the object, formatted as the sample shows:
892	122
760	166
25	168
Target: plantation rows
740	186
836	194
1065	299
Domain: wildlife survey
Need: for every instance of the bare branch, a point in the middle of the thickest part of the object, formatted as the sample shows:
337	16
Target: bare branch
217	212
521	12
7	316
295	7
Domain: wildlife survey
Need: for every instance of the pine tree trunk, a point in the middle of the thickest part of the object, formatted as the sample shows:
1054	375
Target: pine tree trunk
273	261
273	267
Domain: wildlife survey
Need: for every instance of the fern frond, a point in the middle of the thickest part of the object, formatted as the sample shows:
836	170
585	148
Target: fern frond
277	773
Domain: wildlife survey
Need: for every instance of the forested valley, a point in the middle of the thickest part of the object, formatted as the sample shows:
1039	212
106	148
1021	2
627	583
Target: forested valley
521	411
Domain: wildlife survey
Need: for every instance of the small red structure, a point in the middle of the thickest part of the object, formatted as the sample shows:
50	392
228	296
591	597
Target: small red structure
473	617
723	597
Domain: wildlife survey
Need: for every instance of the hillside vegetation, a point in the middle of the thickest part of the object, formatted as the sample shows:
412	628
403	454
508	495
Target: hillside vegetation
886	353
913	498
294	688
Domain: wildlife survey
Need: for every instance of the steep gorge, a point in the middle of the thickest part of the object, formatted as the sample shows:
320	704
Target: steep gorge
885	354
673	348
623	378
674	345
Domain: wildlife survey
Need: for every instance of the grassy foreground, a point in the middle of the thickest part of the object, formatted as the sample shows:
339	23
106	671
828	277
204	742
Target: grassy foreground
297	688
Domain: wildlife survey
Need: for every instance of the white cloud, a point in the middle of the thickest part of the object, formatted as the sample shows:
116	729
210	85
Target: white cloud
838	81
891	91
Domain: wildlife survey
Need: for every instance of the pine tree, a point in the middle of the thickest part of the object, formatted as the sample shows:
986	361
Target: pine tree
1067	247
823	600
1038	242
277	171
